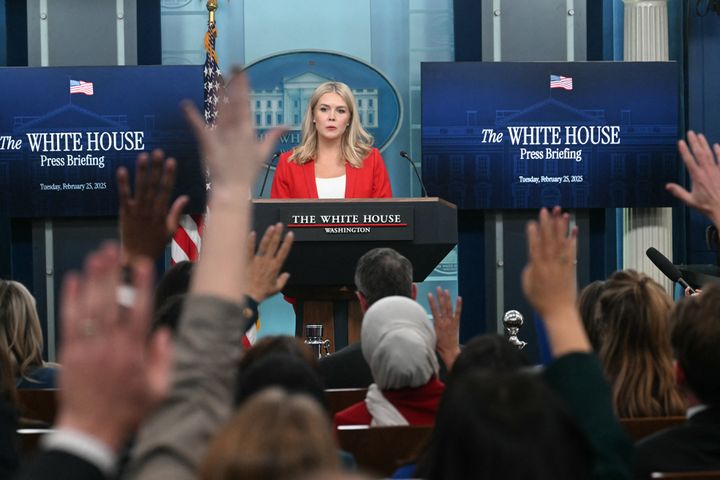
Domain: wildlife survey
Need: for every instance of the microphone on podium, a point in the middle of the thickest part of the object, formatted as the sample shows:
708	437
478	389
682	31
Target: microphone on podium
422	185
267	171
667	267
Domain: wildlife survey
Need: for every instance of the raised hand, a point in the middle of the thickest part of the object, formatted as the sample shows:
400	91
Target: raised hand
704	171
111	379
146	222
265	278
549	282
447	325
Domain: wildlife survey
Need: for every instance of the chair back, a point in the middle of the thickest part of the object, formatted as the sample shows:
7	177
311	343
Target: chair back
38	407
341	398
381	450
641	427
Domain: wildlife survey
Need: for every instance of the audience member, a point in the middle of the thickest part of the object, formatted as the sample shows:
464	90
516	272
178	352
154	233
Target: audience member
549	284
273	436
380	273
284	370
398	343
693	445
503	425
635	349
488	352
587	304
278	344
173	442
21	336
111	379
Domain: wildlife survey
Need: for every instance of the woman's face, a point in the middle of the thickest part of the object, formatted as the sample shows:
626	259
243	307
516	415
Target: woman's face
331	116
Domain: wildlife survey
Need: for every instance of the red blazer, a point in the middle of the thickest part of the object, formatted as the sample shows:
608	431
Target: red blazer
298	181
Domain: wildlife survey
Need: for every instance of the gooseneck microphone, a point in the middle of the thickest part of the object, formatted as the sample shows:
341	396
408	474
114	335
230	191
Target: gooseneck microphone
667	267
422	185
267	172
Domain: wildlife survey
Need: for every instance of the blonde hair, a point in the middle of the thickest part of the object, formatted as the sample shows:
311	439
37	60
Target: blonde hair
356	142
20	332
635	347
274	435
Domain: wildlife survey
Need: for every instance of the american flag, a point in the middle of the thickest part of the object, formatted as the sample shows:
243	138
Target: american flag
78	86
187	241
558	81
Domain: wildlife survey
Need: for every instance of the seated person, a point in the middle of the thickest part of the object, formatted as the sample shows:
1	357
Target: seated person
694	445
490	352
503	425
635	350
398	343
274	435
21	336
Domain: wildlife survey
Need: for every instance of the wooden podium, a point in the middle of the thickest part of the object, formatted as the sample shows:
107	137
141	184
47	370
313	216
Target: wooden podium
331	235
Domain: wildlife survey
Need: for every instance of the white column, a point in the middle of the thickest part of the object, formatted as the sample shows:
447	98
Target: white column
646	39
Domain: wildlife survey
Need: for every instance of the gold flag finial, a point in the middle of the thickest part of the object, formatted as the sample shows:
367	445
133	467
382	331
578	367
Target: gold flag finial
211	6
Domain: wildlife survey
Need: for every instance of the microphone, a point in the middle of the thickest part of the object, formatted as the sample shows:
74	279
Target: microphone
667	267
422	185
267	171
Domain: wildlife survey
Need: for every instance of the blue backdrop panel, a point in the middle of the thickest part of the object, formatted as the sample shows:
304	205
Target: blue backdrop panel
59	150
497	135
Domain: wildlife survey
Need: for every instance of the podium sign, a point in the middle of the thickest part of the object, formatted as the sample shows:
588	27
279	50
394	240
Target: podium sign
331	235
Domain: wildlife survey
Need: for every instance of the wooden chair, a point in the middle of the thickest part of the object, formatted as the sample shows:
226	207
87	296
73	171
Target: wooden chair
381	450
341	398
707	475
641	427
38	406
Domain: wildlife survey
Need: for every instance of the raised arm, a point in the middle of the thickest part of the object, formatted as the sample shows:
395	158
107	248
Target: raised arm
550	286
702	166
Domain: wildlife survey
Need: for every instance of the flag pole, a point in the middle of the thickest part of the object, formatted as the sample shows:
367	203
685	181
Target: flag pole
211	6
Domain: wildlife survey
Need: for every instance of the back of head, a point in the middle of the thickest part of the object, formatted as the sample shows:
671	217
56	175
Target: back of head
284	370
174	282
274	435
636	353
489	352
509	426
20	332
383	272
588	300
278	344
398	343
696	341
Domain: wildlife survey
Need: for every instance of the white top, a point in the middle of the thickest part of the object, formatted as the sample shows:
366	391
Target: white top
331	187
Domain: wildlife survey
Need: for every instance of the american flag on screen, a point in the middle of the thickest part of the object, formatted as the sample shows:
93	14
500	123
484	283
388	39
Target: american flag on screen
79	86
187	241
558	81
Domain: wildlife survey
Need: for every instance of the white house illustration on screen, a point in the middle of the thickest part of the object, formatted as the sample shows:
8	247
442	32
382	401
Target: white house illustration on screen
286	104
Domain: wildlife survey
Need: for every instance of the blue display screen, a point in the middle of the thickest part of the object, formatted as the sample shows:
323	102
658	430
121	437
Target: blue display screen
501	135
64	132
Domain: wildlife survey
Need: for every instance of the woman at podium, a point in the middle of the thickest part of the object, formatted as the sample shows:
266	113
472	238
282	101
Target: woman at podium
335	158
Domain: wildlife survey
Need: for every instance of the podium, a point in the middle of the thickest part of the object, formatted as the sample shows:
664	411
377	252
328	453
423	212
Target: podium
330	237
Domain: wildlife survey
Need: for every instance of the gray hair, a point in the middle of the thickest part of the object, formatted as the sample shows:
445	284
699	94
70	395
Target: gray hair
383	272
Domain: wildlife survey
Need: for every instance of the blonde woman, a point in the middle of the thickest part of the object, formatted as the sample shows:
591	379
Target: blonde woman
335	158
21	336
635	349
273	436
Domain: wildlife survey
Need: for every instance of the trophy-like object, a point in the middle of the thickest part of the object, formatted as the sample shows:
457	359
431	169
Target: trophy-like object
513	320
313	338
